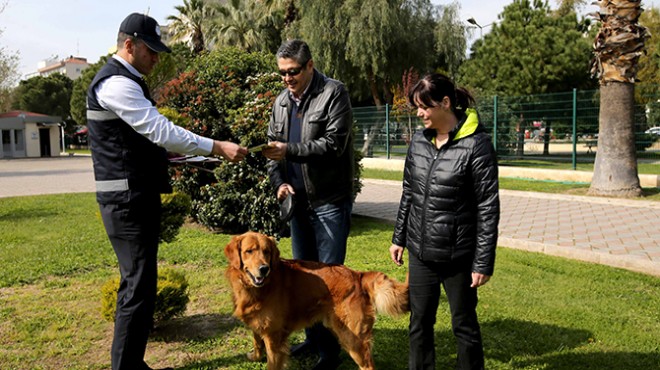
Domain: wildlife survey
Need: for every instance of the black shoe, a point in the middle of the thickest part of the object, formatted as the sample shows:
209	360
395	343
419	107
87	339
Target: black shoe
301	349
327	363
163	368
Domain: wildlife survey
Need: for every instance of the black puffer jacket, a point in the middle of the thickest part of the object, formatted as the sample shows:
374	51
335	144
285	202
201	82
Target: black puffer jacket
450	204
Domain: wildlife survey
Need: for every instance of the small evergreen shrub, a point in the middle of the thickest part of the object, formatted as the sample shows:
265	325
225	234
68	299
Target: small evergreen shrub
171	297
176	207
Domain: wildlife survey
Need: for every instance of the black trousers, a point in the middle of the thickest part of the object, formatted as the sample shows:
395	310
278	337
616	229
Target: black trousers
133	230
425	280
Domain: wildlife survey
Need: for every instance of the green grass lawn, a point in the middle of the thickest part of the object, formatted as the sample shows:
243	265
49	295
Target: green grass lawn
538	312
642	167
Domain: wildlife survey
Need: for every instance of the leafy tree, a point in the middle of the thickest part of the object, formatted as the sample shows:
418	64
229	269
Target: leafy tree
618	46
47	95
568	6
368	44
648	90
288	7
78	102
530	50
169	67
193	23
8	71
450	39
402	111
240	23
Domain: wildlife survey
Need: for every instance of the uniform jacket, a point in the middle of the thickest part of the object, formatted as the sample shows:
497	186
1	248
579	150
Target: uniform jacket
126	164
326	148
450	206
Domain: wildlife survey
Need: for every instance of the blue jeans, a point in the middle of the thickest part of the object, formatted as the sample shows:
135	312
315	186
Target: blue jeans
320	234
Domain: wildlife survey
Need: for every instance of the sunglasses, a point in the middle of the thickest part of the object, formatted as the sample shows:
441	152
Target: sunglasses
291	72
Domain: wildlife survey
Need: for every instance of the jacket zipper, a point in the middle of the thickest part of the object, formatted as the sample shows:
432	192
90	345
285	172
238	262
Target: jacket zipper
426	196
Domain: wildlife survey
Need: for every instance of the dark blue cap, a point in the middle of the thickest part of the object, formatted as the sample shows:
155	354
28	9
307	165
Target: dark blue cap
146	29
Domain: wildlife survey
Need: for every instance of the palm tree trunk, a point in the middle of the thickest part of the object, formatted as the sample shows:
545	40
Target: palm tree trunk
615	168
617	48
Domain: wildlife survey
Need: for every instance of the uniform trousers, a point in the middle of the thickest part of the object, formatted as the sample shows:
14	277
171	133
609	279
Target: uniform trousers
133	230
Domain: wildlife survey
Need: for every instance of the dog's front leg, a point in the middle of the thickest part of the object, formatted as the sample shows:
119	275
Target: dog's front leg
276	351
258	351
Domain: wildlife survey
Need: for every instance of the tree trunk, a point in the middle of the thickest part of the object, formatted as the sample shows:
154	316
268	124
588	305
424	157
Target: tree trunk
615	168
547	135
373	130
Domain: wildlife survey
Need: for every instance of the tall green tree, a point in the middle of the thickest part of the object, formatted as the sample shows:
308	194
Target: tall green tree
78	101
647	91
193	23
47	95
289	9
568	6
618	46
8	71
530	50
450	39
242	24
368	44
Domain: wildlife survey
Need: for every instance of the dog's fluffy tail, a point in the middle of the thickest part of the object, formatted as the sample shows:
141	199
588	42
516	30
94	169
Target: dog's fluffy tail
388	296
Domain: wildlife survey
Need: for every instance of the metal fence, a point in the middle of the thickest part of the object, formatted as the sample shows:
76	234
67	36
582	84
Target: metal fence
559	126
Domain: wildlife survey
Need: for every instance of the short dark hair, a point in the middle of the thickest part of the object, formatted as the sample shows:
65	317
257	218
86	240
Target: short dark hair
297	50
432	88
121	37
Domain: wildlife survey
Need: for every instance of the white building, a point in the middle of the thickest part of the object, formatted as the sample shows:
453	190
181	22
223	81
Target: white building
27	134
71	67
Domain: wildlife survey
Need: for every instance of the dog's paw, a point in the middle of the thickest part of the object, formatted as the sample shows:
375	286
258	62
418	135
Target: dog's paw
254	356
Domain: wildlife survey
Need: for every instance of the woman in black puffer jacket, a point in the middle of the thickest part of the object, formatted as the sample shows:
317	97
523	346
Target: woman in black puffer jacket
447	219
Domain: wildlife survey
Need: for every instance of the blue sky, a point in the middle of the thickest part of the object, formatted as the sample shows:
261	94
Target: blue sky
40	29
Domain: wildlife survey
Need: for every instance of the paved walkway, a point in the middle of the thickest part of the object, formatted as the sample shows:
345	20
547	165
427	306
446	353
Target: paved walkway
621	233
615	232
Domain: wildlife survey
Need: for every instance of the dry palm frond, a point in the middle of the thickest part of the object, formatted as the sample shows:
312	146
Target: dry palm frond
620	41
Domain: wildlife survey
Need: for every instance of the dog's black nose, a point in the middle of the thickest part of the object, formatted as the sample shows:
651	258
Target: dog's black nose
264	269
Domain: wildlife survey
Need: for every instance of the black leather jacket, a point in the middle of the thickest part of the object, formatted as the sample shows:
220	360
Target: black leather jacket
450	205
326	148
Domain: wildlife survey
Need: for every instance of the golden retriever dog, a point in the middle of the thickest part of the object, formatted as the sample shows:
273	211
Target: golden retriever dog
275	297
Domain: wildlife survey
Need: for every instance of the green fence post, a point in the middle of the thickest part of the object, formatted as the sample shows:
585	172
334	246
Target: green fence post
387	130
574	129
495	122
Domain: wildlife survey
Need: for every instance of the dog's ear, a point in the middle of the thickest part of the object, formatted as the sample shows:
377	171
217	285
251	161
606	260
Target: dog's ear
274	252
233	252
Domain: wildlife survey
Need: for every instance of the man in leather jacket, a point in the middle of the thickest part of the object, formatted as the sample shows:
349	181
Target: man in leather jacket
311	156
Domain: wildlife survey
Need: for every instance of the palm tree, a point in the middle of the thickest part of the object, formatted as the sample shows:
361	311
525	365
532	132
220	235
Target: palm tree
238	25
617	48
250	25
288	6
194	20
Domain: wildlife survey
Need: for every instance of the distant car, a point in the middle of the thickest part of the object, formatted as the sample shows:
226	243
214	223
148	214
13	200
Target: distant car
653	131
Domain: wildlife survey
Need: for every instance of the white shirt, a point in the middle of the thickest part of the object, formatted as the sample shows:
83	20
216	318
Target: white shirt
125	98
